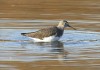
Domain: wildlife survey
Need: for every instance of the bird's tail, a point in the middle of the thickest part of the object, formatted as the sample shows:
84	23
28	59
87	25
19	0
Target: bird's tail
24	34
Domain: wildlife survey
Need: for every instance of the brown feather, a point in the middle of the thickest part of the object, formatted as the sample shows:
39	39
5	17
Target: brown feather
46	32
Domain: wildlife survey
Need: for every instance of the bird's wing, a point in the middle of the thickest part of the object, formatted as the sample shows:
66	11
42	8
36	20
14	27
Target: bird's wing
46	32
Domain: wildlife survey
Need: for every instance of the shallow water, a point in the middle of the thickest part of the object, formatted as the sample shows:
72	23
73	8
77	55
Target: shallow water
77	49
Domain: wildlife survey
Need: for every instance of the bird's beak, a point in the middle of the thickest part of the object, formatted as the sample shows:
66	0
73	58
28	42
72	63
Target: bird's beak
72	27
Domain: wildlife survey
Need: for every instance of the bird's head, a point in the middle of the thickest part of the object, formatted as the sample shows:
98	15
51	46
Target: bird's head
63	24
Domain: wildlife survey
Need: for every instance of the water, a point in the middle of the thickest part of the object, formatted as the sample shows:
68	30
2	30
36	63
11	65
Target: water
76	50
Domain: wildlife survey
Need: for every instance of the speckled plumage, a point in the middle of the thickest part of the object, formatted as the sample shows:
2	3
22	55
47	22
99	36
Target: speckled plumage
48	34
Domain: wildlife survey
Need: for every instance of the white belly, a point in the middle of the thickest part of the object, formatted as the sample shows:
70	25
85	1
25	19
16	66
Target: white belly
46	39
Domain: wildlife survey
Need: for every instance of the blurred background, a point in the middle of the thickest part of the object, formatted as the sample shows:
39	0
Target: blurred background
85	14
77	49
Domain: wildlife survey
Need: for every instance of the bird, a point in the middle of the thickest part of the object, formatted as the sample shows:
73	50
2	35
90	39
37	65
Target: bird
50	34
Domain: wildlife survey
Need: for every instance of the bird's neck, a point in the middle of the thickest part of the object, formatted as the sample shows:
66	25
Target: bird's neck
60	27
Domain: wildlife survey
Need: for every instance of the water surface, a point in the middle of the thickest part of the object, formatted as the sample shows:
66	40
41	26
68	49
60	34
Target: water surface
77	49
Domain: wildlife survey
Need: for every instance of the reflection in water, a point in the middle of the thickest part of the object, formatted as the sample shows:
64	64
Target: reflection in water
53	49
57	47
75	48
80	49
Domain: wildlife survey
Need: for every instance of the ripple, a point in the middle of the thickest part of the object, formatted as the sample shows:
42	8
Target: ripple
74	45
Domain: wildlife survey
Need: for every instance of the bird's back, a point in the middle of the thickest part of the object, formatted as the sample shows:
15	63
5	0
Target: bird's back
45	32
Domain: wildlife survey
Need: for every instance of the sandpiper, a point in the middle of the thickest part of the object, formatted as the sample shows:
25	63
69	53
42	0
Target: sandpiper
48	34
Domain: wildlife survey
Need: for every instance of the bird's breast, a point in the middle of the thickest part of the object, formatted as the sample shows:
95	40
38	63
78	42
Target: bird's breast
59	33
